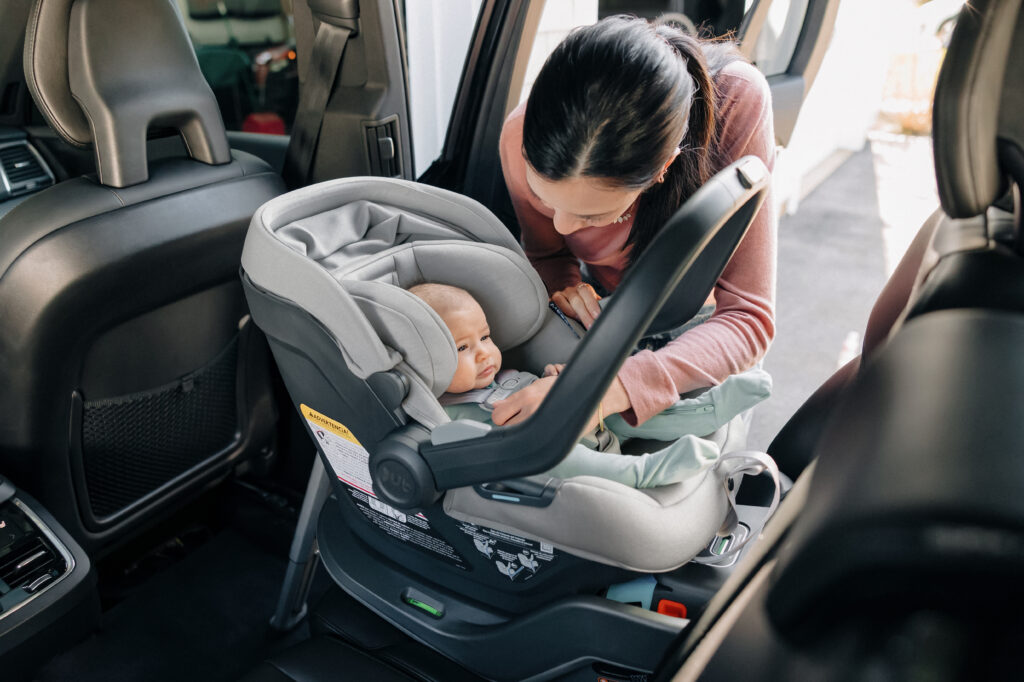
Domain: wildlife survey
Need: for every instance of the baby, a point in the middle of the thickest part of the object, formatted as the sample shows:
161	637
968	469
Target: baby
479	361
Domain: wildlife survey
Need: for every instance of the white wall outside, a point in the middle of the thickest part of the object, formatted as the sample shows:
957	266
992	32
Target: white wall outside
438	39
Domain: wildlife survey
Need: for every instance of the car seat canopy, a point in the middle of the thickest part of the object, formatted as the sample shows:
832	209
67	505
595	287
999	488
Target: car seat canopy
346	251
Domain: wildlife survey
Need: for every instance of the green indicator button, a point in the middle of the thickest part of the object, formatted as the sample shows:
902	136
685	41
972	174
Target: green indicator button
433	611
721	544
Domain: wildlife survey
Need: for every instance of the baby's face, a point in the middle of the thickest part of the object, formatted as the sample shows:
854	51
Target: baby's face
479	359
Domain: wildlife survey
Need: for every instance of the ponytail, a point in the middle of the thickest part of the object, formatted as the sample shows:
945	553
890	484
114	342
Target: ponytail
693	167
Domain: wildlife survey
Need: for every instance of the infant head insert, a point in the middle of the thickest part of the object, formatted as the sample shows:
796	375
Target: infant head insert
326	268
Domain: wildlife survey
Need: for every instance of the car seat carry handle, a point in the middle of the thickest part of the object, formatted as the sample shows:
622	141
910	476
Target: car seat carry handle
667	285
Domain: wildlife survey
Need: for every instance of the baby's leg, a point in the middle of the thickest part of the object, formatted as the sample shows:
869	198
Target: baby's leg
681	460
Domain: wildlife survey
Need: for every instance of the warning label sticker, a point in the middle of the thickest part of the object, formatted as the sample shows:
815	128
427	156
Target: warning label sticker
350	462
413	529
516	558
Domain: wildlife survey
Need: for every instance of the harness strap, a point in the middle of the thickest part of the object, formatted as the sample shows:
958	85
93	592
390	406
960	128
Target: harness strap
505	383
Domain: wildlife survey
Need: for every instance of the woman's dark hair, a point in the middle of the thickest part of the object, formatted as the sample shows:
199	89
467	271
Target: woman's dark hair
614	100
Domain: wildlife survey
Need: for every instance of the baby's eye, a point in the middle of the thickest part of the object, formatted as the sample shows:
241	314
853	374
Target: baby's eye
463	347
485	337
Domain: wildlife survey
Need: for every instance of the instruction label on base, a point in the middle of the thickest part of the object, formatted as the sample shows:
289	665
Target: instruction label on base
350	463
516	558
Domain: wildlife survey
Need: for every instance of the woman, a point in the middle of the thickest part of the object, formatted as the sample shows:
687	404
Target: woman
624	122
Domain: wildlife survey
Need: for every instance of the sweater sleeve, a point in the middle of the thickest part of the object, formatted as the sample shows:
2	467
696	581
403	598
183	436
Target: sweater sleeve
737	336
545	248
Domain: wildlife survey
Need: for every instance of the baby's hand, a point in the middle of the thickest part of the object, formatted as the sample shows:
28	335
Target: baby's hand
553	370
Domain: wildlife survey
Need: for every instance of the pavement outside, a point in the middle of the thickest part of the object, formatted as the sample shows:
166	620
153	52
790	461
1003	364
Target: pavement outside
835	254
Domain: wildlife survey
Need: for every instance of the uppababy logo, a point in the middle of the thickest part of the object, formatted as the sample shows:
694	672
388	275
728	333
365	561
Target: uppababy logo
395	478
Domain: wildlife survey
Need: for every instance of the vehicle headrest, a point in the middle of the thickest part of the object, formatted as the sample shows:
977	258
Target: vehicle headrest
103	72
978	98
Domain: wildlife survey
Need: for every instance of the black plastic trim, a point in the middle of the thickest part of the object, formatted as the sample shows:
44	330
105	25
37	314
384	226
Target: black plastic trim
564	635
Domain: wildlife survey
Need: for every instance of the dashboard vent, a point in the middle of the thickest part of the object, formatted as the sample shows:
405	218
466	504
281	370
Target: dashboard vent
22	170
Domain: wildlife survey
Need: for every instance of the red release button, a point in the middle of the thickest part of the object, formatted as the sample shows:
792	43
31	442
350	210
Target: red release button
672	608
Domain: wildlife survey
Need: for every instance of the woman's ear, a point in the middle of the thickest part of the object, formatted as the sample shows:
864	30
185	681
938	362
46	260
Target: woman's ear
664	169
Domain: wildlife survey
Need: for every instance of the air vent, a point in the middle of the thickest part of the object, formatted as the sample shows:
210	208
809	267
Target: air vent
22	170
383	147
31	565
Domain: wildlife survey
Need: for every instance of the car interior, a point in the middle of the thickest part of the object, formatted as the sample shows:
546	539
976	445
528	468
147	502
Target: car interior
221	456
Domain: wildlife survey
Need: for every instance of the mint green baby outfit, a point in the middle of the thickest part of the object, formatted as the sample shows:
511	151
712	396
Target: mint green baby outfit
684	423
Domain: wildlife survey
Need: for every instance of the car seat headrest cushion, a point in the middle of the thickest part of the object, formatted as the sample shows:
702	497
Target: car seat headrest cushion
501	281
406	325
105	71
969	95
346	250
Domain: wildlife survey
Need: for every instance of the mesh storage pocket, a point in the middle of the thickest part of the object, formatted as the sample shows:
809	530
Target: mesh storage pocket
133	444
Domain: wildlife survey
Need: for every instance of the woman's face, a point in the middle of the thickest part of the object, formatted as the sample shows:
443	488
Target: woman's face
580	202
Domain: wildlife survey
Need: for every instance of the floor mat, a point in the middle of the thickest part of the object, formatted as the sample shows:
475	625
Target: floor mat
205	618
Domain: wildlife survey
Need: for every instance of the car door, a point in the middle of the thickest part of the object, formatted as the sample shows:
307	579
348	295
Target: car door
786	39
394	77
334	70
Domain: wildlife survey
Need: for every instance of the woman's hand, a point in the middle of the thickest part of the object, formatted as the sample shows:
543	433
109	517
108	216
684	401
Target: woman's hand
578	302
553	370
520	405
615	400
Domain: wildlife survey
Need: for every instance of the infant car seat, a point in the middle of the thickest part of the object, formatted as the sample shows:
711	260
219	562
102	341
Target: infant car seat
485	570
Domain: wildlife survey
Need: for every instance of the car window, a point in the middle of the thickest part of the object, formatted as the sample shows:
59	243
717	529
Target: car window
778	37
715	17
246	51
556	21
707	17
437	40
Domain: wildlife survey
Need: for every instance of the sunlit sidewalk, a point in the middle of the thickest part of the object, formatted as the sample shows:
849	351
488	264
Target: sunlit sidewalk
835	254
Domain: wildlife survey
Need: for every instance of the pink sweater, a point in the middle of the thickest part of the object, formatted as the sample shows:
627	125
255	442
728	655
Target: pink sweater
739	332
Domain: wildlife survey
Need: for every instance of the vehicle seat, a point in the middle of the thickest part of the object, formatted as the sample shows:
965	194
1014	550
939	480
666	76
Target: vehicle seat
132	375
966	254
902	548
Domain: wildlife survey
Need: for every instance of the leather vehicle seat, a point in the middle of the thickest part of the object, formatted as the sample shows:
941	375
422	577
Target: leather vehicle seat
967	254
131	375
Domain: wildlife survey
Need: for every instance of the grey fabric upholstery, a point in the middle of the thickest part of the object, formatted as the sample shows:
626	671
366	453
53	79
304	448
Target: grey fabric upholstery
345	250
650	530
967	114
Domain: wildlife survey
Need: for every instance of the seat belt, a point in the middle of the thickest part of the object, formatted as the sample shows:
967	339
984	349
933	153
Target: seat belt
325	62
